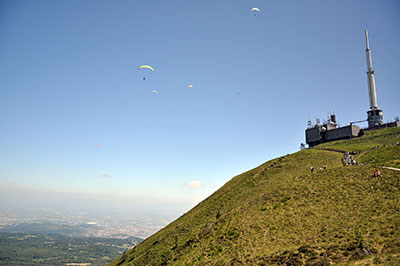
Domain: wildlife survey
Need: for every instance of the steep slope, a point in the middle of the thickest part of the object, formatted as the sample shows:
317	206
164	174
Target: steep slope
281	213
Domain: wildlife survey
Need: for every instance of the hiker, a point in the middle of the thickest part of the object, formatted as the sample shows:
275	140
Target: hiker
312	169
377	173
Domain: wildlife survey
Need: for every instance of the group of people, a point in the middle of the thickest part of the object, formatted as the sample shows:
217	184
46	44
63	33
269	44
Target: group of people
348	159
320	169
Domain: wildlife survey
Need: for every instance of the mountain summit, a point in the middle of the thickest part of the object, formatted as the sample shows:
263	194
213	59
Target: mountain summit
286	213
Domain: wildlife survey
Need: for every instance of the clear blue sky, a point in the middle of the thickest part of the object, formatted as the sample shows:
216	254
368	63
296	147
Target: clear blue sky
69	81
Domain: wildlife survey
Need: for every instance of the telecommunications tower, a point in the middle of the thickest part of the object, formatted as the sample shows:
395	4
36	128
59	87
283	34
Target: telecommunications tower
374	114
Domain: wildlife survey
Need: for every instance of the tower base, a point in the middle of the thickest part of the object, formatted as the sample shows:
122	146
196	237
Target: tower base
375	118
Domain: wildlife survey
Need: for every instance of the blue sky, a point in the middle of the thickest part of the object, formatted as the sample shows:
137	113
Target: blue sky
69	81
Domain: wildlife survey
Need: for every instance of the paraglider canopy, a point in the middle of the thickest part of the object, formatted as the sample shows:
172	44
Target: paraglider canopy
146	66
255	10
154	92
190	86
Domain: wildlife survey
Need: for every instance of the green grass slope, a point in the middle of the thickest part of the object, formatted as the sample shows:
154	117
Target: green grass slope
376	147
282	214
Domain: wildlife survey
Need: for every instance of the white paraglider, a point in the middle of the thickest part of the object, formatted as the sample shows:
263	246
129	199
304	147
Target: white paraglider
255	10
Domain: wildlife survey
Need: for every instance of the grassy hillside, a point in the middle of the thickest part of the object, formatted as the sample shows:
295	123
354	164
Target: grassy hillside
377	147
281	213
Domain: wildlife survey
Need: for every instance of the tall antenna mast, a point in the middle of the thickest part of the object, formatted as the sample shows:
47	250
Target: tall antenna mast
373	102
375	117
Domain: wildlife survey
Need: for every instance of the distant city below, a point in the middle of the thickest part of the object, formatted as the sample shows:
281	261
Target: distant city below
86	223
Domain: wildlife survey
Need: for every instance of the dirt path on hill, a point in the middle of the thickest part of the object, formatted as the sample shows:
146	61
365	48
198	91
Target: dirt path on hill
348	157
391	168
327	149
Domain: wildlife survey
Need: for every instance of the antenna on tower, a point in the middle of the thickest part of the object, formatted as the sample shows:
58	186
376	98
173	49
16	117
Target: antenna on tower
309	124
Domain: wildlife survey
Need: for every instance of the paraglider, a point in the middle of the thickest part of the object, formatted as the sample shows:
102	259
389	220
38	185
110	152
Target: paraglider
190	86
146	66
255	10
155	92
98	145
